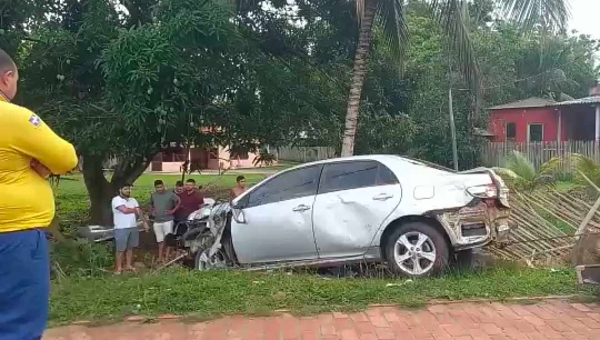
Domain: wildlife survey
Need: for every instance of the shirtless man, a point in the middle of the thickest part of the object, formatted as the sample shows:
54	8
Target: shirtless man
239	188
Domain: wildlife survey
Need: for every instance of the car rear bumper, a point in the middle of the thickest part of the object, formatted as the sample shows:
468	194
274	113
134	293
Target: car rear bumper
476	225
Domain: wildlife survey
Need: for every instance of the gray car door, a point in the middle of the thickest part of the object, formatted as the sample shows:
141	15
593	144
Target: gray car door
277	219
354	199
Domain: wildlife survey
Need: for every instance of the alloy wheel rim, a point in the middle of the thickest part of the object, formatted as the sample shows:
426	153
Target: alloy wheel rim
415	253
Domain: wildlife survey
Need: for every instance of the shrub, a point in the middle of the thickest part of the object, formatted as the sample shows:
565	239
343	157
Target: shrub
79	257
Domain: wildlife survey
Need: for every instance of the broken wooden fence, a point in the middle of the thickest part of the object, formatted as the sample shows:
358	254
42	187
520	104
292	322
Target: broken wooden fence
548	223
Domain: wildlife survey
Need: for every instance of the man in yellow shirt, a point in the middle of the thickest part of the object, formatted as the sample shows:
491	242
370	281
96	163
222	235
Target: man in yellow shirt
29	152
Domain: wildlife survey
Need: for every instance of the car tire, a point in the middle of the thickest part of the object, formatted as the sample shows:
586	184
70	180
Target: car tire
405	258
217	261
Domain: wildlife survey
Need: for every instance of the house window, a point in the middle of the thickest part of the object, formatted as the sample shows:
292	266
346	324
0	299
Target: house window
511	131
535	132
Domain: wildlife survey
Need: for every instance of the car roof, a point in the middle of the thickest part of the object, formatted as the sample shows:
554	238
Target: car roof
394	162
379	157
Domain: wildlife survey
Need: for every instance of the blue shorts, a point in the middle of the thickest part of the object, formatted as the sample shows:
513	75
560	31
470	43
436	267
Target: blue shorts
126	239
24	284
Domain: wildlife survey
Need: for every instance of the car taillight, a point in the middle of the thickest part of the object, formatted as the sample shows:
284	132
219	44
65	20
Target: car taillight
483	191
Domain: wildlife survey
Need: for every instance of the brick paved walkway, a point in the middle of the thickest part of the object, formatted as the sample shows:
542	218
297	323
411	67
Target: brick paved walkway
555	320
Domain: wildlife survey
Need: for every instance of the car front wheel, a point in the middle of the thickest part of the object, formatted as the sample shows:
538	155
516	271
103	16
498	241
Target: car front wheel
417	249
204	262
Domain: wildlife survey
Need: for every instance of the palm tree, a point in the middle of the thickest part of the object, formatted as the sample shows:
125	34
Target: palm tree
453	16
520	173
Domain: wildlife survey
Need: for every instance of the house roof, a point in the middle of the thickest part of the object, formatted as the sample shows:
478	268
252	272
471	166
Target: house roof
526	103
582	101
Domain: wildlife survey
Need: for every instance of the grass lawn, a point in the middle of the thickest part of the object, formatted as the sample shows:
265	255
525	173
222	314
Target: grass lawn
74	185
210	294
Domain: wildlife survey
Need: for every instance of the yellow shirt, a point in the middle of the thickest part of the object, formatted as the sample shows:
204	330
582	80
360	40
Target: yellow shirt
26	199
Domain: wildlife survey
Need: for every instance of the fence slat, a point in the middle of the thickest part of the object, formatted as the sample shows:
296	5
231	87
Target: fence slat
494	153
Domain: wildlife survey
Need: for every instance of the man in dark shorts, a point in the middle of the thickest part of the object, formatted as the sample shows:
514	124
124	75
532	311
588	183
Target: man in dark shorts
29	152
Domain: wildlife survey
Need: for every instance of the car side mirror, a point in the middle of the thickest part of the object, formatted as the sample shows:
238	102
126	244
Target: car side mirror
238	216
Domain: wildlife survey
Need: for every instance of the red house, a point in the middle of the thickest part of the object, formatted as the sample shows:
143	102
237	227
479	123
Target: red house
543	120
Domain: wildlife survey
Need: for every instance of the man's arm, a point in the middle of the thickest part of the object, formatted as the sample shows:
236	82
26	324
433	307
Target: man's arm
177	204
152	207
35	139
119	204
138	211
126	210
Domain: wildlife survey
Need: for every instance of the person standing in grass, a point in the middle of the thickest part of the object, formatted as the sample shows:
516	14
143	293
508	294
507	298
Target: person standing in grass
179	218
239	188
191	199
29	153
163	204
127	235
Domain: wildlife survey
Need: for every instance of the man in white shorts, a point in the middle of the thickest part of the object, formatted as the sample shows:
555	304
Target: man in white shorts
163	204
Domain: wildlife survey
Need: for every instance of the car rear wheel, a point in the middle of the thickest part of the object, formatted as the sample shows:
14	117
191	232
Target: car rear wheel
417	249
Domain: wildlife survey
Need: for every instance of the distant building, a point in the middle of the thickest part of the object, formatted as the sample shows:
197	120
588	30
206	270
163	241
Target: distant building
543	120
214	158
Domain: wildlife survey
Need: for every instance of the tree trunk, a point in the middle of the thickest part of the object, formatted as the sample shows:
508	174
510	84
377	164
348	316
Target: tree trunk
358	78
102	191
99	190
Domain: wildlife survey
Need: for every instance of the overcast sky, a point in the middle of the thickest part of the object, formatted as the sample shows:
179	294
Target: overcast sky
585	17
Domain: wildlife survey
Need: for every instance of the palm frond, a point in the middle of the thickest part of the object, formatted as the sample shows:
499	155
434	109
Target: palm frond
453	15
390	14
552	166
543	180
520	165
586	166
553	14
505	173
513	180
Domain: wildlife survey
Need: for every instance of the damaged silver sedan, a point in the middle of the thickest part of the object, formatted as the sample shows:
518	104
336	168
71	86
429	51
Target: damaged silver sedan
410	215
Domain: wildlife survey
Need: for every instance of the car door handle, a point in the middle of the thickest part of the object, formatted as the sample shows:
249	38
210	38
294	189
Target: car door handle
301	207
383	197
